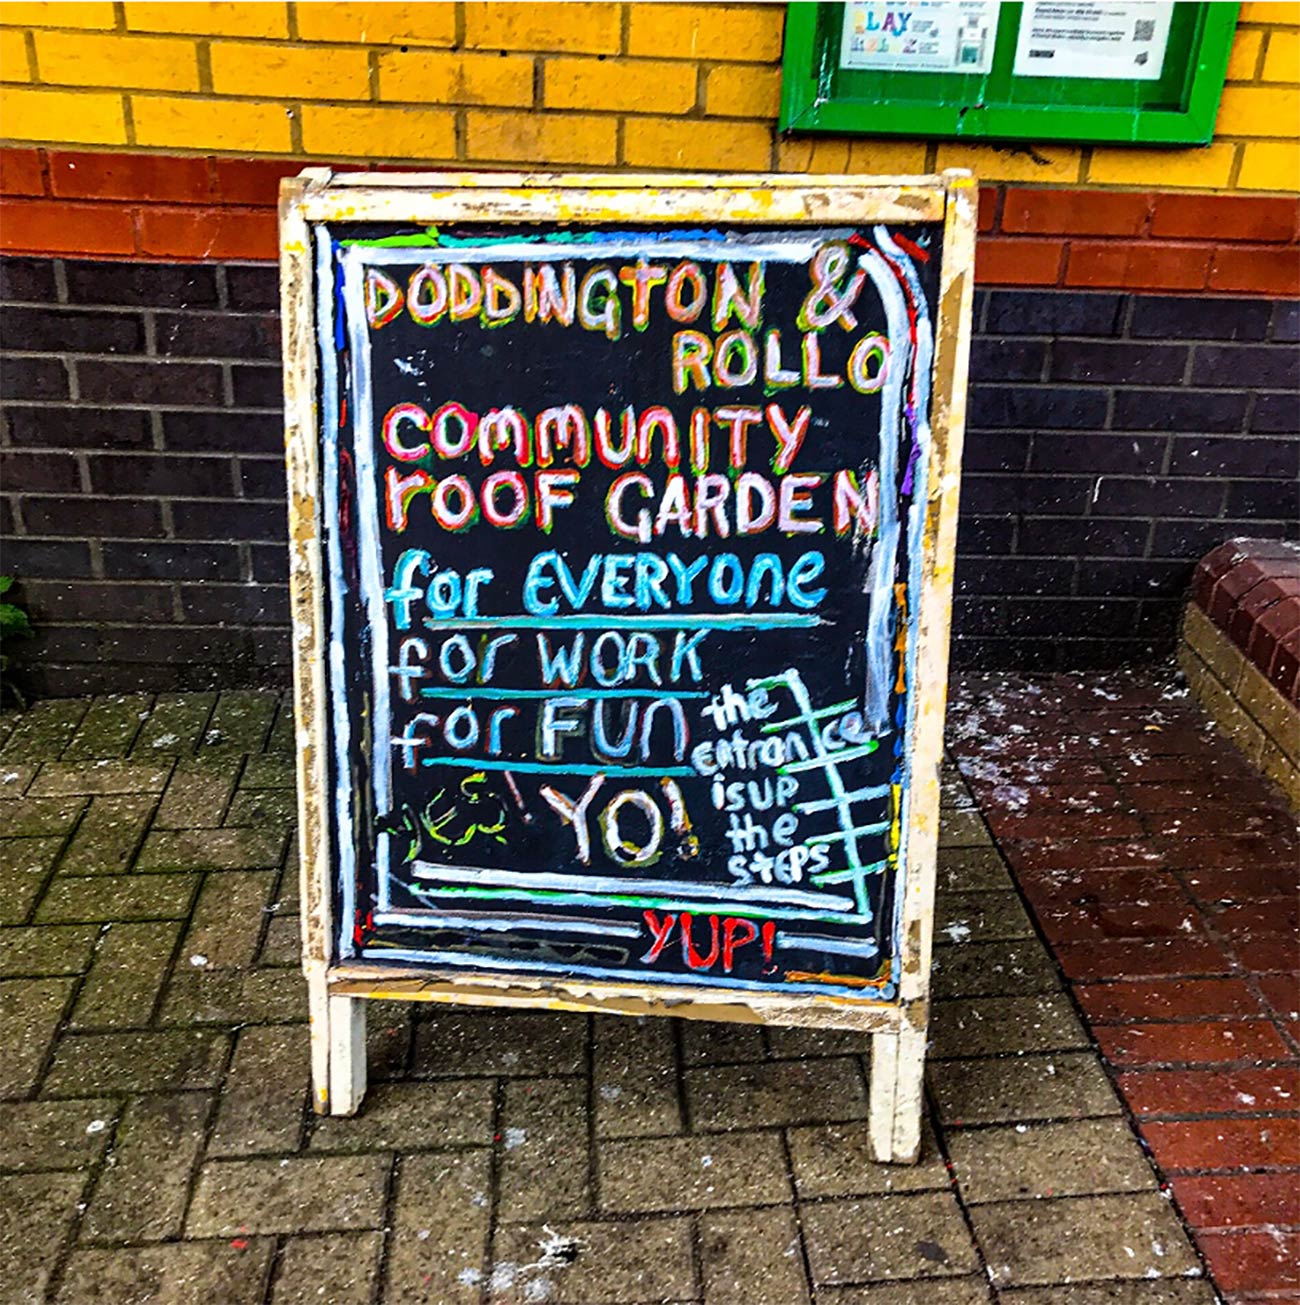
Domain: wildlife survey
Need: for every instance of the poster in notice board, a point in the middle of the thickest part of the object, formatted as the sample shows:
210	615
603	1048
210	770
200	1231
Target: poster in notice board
627	534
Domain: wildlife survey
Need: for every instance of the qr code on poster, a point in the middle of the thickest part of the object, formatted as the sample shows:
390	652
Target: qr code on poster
1144	29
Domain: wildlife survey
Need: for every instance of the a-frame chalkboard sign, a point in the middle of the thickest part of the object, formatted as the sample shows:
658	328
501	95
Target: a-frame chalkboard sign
622	513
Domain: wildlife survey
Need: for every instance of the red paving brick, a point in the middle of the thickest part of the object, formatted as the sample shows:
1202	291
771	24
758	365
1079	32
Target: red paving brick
1116	920
1050	889
1252	1261
1164	872
1282	992
1267	955
1167	1000
1239	1200
1191	1144
1272	915
1191	1043
1155	1092
1163	956
1245	885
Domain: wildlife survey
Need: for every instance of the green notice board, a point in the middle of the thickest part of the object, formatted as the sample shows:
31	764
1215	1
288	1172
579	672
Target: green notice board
1083	70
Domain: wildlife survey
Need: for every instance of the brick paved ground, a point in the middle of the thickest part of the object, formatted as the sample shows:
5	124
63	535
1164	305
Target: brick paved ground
1164	873
156	1145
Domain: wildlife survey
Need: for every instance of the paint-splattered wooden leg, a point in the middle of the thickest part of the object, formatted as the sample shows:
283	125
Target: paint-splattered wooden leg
897	1087
347	1019
318	1011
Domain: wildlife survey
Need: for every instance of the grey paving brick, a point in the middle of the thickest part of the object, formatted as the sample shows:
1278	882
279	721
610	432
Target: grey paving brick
926	1291
33	1009
109	727
108	836
332	1269
43	730
68	778
707	1043
142	1191
25	864
182	1273
146	1061
953	792
390	1032
692	1173
454	1043
282	944
972	870
175	725
283	737
268	770
1164	1291
41	817
117	897
1061	1085
36	951
789	1043
287	895
963	829
635	1080
411	1117
35	1216
270	808
240	721
203	996
752	1256
55	1134
1041	1242
228	918
961	918
198	793
836	1160
438	1245
921	1235
542	1164
1020	1162
998	1025
15	778
301	1194
212	849
778	1092
130	964
620	1263
265	1093
993	969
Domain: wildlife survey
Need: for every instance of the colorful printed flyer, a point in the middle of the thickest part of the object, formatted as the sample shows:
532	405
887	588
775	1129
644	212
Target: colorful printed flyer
929	36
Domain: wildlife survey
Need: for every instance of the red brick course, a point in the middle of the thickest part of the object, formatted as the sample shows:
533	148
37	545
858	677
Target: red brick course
1180	939
1030	236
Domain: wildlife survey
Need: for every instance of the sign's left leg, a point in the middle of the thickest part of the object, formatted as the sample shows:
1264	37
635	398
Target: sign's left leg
897	1095
338	1048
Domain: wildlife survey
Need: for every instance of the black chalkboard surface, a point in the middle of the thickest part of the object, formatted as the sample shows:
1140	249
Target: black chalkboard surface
623	534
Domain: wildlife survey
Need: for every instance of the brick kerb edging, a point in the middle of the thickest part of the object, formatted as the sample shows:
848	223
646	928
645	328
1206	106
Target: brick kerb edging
1240	651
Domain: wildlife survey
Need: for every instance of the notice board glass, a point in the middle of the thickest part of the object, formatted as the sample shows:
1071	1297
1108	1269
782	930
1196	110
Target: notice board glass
622	543
1083	70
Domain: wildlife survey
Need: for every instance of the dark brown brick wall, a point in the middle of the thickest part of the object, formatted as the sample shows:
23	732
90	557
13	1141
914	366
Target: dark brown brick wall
1113	440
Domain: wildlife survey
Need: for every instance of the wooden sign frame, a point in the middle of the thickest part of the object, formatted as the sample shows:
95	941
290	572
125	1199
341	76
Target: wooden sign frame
337	991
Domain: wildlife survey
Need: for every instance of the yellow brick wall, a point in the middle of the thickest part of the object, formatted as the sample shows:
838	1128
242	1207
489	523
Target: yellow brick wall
641	85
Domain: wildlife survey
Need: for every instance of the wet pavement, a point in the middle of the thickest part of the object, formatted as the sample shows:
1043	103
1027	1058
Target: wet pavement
156	1140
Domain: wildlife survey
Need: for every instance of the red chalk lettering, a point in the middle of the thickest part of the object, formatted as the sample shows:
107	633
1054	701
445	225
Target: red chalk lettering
692	958
731	943
662	931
